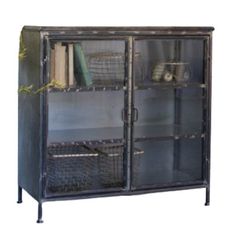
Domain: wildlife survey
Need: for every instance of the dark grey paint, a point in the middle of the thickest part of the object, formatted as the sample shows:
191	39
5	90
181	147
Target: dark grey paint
29	107
33	113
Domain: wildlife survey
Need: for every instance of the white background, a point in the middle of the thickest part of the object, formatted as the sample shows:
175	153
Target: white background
171	213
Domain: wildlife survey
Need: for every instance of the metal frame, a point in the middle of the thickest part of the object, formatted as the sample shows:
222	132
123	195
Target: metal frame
208	75
155	189
129	34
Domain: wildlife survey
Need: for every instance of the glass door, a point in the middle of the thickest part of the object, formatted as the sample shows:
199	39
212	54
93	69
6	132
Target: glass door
169	98
85	128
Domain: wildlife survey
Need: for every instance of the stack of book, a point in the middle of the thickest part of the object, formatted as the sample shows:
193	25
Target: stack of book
69	66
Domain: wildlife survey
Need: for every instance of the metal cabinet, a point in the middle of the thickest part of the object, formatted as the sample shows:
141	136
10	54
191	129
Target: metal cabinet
113	111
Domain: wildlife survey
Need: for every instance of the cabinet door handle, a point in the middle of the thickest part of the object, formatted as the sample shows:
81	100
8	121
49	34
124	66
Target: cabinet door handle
135	114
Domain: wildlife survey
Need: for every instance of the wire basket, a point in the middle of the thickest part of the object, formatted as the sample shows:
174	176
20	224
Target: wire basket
109	67
70	168
171	71
75	168
106	67
111	164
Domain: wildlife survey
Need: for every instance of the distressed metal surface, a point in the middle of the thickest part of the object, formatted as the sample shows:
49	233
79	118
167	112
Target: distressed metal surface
122	30
111	193
208	75
129	112
33	109
29	138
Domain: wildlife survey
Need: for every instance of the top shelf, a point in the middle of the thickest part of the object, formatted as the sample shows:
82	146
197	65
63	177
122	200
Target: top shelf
91	88
102	65
157	85
139	86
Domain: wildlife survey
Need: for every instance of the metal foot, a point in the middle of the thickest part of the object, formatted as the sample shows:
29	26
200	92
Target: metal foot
207	203
40	213
19	195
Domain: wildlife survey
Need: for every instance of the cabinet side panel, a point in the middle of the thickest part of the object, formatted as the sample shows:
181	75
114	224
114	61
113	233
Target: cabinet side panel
29	116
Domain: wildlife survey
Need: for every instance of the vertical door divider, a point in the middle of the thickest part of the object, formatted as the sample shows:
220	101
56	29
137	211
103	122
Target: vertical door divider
177	112
129	137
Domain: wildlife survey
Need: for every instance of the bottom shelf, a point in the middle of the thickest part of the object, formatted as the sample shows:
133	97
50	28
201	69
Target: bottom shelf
74	168
169	162
77	168
165	178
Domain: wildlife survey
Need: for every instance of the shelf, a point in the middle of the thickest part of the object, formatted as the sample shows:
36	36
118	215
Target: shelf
92	150
117	87
115	134
165	178
163	132
164	85
92	88
86	135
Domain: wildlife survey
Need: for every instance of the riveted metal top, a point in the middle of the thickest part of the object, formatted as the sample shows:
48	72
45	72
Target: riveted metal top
149	30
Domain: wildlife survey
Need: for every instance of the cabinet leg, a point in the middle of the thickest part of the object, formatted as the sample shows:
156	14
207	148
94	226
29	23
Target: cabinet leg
19	195
40	213
207	203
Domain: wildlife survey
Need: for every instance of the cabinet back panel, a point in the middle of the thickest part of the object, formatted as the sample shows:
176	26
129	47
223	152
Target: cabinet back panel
85	110
85	115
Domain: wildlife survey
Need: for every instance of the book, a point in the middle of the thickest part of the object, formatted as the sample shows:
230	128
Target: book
71	79
60	64
66	67
52	64
82	74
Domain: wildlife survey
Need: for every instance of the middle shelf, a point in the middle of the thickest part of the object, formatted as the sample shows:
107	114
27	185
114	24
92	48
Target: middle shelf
116	86
112	134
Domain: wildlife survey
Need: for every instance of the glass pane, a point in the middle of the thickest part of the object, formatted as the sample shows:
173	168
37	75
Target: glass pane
85	128
167	162
168	61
